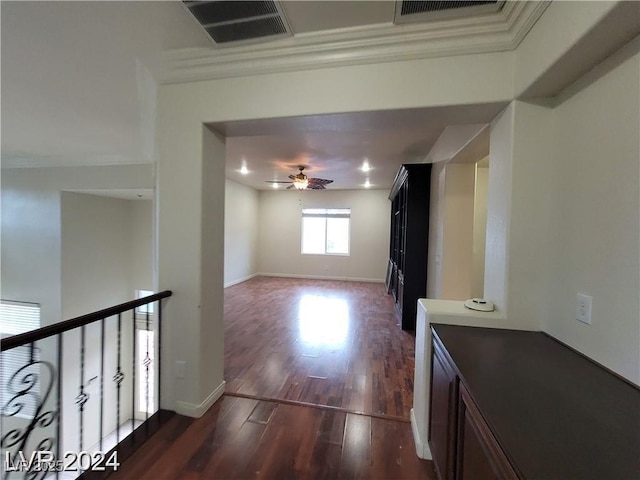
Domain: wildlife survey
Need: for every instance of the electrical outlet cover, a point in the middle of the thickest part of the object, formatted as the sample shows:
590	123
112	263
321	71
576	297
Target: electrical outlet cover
583	308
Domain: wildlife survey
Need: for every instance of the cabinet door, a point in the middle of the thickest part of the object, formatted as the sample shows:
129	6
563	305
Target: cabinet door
478	455
442	421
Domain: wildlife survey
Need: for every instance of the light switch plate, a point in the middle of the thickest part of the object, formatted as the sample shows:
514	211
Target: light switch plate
181	367
583	308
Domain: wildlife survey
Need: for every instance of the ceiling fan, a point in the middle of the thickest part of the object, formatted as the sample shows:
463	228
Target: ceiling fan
302	182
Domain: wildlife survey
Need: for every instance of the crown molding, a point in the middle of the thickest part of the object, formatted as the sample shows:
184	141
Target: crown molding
501	31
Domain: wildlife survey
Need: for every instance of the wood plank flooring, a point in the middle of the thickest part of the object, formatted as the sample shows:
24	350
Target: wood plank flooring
318	342
243	438
319	385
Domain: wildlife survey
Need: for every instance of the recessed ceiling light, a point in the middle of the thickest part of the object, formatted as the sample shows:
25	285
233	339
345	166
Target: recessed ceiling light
367	184
274	185
365	166
244	170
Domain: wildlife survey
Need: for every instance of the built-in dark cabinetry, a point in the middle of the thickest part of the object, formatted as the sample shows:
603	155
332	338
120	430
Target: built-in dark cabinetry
509	404
443	411
408	246
478	455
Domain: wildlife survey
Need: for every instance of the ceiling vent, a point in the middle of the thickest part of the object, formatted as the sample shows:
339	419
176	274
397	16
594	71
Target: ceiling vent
409	11
237	22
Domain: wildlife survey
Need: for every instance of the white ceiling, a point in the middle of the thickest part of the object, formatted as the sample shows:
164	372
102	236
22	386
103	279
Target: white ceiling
66	62
335	146
79	83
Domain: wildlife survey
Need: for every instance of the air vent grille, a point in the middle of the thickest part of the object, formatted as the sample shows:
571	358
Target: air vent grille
228	22
408	11
234	32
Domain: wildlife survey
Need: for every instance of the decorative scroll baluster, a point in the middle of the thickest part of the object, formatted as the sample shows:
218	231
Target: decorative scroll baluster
159	343
101	381
30	387
82	397
147	363
118	378
133	375
22	388
59	404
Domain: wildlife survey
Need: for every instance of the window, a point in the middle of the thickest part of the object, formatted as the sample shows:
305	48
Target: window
15	318
325	231
148	308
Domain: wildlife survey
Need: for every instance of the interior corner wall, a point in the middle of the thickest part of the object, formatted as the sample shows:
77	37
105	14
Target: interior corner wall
498	208
280	234
240	233
31	226
96	253
479	231
96	273
211	335
457	246
594	247
532	200
436	230
31	242
142	268
552	36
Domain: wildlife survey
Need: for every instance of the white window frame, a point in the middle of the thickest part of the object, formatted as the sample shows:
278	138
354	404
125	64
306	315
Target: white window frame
149	307
16	318
326	213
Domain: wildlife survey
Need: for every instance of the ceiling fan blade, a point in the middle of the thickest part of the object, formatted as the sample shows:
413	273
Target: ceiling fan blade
290	187
319	181
292	177
316	186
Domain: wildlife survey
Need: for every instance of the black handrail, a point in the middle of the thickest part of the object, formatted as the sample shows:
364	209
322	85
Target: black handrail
60	327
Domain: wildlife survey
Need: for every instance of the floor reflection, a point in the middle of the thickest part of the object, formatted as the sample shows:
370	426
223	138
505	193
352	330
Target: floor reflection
324	321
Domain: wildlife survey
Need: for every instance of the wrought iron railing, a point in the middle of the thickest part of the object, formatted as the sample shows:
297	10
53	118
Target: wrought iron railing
87	385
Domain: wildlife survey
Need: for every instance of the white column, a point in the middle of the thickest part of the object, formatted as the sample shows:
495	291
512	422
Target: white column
190	223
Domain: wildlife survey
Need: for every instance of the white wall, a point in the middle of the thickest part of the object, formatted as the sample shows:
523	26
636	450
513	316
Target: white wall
498	209
31	244
240	233
96	253
72	253
436	230
479	231
595	221
142	268
457	230
457	242
96	259
573	224
280	234
31	226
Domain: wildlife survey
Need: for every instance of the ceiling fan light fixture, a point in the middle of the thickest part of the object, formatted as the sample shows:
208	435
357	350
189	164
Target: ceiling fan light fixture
301	184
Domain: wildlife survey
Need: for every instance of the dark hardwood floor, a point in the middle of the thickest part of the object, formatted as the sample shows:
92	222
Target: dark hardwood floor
318	342
243	438
319	386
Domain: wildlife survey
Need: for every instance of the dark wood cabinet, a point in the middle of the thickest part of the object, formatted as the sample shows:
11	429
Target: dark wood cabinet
508	404
408	246
442	416
478	455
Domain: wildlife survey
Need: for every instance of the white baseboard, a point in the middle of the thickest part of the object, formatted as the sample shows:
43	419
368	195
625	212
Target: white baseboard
422	447
196	411
322	277
240	280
